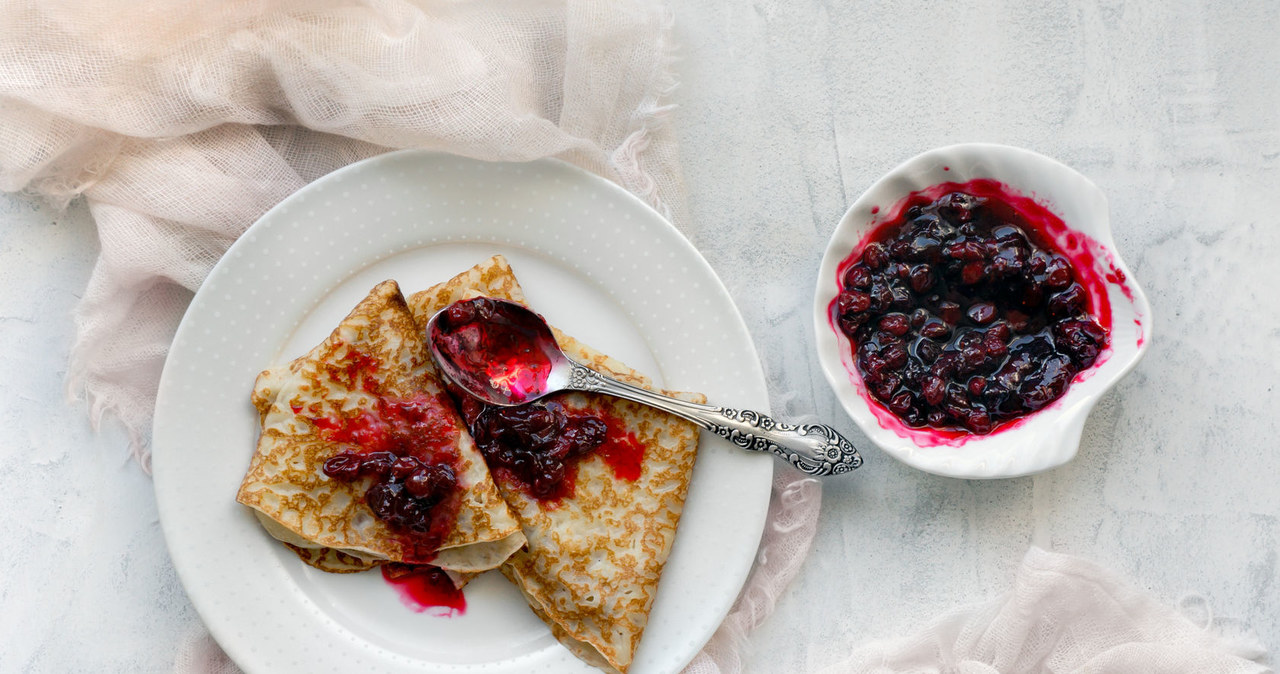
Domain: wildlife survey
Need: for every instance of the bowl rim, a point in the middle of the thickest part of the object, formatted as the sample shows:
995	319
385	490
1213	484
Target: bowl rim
1055	430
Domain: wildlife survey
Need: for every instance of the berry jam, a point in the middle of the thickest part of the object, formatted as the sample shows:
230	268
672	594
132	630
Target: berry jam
425	589
402	449
493	347
404	491
537	446
962	315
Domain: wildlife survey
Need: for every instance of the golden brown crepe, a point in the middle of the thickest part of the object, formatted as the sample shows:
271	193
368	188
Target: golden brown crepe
593	559
374	361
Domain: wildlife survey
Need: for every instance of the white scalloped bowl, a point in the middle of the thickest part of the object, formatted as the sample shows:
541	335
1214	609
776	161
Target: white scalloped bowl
1051	436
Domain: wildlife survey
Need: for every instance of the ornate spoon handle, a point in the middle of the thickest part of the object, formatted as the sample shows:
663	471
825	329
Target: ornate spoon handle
815	449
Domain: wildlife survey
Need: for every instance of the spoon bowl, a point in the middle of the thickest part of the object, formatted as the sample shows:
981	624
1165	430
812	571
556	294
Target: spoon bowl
498	351
503	353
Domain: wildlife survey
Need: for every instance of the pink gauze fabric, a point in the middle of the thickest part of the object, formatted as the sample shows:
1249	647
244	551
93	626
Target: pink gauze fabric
180	123
1063	615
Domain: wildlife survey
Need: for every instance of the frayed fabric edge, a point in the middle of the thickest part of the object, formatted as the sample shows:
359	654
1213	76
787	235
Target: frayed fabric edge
78	389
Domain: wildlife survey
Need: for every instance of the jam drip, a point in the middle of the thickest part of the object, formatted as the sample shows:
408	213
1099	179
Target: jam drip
963	317
401	450
425	589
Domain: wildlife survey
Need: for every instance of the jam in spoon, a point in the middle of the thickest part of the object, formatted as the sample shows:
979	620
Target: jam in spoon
505	354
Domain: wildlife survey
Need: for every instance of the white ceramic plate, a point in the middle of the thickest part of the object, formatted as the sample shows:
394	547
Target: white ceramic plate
593	259
1051	436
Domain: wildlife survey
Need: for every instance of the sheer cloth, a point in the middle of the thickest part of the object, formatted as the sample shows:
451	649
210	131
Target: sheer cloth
1064	615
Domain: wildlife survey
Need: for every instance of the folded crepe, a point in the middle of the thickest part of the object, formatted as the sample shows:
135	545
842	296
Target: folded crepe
371	387
594	556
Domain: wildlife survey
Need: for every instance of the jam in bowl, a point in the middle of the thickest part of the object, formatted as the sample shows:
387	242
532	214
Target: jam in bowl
971	309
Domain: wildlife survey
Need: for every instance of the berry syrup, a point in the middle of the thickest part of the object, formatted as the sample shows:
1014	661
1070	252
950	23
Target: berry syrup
970	307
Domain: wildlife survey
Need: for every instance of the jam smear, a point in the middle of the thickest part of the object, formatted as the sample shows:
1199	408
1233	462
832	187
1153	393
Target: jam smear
621	450
425	589
962	314
538	445
403	449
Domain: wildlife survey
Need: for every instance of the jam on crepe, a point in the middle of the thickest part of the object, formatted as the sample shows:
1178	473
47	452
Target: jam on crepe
536	444
406	446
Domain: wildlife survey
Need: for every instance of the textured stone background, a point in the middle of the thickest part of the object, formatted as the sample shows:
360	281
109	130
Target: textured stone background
791	109
788	110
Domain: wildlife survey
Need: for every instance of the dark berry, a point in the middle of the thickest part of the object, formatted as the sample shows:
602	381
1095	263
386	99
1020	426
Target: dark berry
973	273
895	356
853	302
381	499
874	256
403	467
344	466
977	385
377	464
949	311
993	345
919	317
895	324
460	313
1057	273
1068	303
982	312
933	389
927	351
432	483
857	277
935	329
901	403
921	278
958	206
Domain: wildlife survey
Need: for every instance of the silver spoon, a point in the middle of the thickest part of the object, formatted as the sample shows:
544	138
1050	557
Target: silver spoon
505	354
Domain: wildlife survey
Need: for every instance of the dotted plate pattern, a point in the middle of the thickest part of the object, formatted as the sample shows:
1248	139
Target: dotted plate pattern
593	258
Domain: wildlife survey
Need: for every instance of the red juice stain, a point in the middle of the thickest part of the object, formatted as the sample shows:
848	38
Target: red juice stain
425	589
875	209
621	450
422	426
